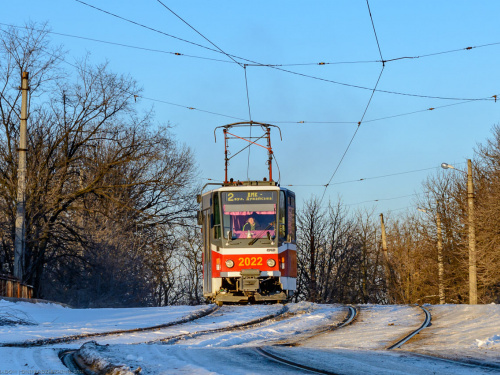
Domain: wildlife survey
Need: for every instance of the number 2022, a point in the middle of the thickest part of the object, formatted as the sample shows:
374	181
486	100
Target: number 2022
253	261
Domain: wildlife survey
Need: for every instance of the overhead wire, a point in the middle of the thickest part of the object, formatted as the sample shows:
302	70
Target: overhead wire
353	136
250	118
281	69
321	63
203	36
369	178
237	62
372	120
135	95
123	44
364	113
384	199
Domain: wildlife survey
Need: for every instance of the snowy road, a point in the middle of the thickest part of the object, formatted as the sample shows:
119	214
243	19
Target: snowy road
461	332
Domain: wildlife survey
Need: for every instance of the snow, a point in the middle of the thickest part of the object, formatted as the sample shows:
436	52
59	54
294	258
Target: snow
47	320
458	332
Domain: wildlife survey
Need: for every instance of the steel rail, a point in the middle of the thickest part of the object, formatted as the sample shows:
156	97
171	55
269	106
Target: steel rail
349	319
192	335
275	358
426	323
58	340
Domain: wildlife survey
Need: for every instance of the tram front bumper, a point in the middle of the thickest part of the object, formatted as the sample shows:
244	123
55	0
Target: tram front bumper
249	281
229	297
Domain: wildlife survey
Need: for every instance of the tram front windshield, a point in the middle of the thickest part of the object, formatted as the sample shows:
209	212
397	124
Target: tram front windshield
249	214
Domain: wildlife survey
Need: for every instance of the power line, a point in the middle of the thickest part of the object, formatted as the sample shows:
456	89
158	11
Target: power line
123	45
375	32
354	135
147	27
250	118
234	117
375	119
203	36
281	69
136	95
364	113
321	63
370	178
384	199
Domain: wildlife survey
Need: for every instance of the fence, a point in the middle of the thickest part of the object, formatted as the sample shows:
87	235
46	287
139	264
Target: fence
12	287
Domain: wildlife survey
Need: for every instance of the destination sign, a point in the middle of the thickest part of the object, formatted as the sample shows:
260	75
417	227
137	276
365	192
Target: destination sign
249	197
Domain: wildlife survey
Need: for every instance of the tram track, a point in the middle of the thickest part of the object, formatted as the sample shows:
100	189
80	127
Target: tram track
353	313
281	314
67	339
76	363
426	323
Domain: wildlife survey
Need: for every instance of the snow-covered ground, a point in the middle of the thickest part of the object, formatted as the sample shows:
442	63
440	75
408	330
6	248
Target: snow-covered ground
461	332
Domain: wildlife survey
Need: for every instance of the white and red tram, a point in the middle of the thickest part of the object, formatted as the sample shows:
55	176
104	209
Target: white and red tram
249	246
249	251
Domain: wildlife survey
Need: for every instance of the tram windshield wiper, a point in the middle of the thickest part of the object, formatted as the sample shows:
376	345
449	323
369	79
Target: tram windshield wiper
261	234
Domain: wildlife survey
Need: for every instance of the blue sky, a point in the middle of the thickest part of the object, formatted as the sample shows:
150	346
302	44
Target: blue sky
298	32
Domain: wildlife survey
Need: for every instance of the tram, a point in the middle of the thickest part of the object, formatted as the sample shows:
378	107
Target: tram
249	244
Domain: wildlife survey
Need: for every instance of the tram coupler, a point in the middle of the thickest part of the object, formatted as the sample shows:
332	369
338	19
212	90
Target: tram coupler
249	281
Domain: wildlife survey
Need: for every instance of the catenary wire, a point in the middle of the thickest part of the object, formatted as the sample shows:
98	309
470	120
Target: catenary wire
200	34
135	95
250	118
364	113
369	178
372	120
237	62
375	32
286	70
123	45
354	135
240	118
321	63
384	199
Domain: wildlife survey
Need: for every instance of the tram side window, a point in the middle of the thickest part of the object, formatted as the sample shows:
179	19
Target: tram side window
216	207
282	217
291	218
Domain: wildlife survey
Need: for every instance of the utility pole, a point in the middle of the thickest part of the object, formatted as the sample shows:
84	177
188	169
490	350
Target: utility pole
472	237
20	231
472	231
386	255
440	258
312	286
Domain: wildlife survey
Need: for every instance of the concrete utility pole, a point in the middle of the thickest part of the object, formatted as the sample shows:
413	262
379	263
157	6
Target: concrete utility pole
472	237
440	258
472	231
312	286
20	234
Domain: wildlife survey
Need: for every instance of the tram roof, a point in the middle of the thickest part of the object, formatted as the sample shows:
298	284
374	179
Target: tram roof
248	185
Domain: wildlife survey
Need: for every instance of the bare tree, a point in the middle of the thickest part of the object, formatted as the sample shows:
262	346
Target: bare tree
96	168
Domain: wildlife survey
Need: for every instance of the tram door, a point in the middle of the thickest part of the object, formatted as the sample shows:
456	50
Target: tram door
207	255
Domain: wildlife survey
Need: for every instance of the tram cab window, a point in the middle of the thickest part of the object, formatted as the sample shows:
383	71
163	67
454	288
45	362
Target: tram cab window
282	217
291	219
249	214
216	216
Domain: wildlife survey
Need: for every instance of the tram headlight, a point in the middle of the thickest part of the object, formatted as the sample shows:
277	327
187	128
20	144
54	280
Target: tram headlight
229	263
271	262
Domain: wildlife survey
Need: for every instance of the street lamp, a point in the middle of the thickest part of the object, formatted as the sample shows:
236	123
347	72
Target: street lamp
472	231
440	255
